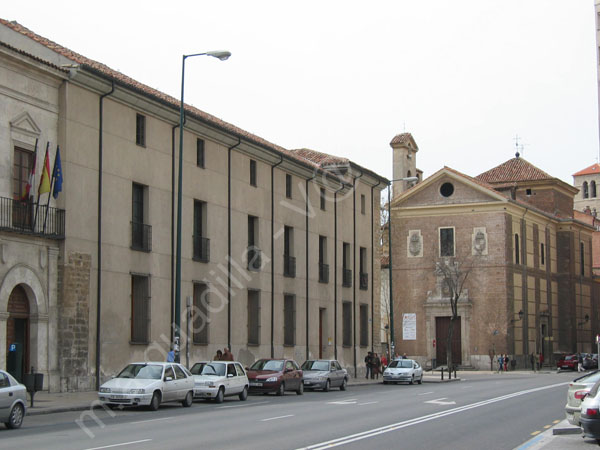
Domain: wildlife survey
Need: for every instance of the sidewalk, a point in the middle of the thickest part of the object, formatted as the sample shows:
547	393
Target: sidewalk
567	437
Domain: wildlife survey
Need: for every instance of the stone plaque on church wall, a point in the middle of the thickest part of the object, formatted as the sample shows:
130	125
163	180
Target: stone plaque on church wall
414	244
479	241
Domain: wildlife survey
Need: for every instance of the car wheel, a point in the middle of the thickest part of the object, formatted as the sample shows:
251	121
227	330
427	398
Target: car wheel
412	380
281	389
220	395
300	390
343	386
188	400
244	394
327	386
15	420
155	402
420	379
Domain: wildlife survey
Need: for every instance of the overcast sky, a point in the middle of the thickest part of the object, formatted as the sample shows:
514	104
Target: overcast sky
343	77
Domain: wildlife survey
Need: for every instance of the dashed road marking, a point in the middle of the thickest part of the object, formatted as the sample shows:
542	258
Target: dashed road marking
535	433
276	418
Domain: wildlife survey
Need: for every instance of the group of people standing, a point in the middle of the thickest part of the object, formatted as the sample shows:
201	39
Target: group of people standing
224	355
536	360
503	361
375	365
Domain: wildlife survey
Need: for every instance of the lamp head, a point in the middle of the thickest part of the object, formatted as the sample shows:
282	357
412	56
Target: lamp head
222	55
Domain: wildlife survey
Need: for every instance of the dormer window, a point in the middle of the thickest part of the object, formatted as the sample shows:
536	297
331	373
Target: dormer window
528	192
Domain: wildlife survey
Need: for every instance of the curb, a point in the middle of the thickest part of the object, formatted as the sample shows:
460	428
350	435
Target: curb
566	430
60	409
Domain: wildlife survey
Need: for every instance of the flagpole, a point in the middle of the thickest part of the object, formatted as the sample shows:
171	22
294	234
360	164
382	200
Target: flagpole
37	206
50	193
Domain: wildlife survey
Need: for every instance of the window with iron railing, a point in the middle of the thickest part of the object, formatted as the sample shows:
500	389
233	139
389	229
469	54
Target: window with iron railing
289	266
141	237
323	273
201	244
201	249
254	256
364	281
26	217
363	275
141	233
346	271
346	277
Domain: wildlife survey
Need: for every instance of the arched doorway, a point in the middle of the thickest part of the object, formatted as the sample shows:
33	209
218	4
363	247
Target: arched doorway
17	333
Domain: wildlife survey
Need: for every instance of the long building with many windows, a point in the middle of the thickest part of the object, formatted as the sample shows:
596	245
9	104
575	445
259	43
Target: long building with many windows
277	246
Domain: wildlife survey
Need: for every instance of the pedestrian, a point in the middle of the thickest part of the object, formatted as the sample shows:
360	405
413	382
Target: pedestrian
171	355
404	356
368	362
384	362
500	363
218	356
227	355
532	360
541	359
537	361
376	366
579	362
506	363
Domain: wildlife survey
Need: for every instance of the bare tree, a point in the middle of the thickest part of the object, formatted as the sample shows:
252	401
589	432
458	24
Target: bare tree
453	272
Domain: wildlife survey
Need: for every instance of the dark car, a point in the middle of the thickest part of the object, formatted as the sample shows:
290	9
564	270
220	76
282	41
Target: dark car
567	362
590	361
275	375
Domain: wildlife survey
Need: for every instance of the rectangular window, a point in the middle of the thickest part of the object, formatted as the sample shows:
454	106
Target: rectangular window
253	317
364	275
446	241
140	309
200	152
141	233
288	185
582	258
347	324
362	204
346	261
201	242
140	130
289	319
289	262
323	266
200	319
254	255
253	172
364	325
21	169
542	254
517	250
322	199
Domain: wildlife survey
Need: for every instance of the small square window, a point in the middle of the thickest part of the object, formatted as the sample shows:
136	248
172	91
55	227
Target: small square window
528	191
288	185
140	130
200	153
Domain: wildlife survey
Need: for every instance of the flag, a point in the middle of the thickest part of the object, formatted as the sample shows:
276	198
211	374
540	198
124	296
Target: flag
57	174
45	180
31	179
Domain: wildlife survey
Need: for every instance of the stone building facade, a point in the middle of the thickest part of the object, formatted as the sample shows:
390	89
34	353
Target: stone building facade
278	245
588	182
529	262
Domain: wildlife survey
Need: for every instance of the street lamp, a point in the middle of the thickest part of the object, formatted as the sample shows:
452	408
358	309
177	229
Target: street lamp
409	179
222	55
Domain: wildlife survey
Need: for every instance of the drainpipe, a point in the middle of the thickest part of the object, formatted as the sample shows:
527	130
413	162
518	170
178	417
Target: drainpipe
373	270
335	262
354	268
99	281
307	321
273	256
229	241
173	231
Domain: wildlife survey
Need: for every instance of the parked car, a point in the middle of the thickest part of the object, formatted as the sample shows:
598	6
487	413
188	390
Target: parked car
149	384
13	398
324	374
403	370
220	379
579	388
590	361
590	413
275	375
567	362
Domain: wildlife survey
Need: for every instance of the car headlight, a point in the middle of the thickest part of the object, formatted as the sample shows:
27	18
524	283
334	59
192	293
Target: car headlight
271	380
104	390
136	391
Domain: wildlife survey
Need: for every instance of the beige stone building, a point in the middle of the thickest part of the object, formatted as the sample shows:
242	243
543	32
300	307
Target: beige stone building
529	262
278	246
587	181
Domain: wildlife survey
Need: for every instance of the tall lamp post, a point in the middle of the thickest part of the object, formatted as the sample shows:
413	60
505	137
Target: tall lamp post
222	55
409	179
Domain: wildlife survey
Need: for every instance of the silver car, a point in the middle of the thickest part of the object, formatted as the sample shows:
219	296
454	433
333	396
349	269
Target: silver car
150	384
13	397
324	374
403	370
578	390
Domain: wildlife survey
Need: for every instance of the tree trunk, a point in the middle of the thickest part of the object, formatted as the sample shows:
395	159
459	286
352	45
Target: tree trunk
449	343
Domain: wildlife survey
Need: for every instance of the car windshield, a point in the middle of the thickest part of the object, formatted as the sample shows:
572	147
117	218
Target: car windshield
591	378
315	365
570	357
214	369
268	364
197	368
401	364
142	372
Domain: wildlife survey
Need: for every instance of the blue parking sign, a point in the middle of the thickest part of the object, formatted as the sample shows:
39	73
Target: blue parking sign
12	348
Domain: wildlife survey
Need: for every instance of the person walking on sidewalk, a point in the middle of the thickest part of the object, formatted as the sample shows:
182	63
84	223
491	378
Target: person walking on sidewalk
506	363
376	366
532	360
500	363
368	363
384	362
579	362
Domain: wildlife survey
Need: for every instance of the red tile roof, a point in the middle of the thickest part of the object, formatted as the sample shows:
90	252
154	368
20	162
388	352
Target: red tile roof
515	169
592	170
402	138
320	158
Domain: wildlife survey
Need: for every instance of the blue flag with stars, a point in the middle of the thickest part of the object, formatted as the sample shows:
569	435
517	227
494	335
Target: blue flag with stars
57	174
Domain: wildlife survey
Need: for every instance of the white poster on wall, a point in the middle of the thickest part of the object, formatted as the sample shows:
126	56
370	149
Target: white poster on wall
409	327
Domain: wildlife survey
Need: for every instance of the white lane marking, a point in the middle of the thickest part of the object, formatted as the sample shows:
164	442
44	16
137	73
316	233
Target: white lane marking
407	423
275	418
367	403
348	401
242	406
467	387
439	401
152	420
425	393
119	445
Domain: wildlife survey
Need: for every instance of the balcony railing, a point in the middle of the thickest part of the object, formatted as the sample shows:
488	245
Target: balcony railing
289	266
347	278
364	281
254	259
201	249
31	218
141	237
323	273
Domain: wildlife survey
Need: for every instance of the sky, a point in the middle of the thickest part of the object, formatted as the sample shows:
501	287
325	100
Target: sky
465	77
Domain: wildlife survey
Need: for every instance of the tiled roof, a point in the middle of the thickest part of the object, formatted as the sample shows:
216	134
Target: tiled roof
402	138
515	169
320	158
35	58
592	170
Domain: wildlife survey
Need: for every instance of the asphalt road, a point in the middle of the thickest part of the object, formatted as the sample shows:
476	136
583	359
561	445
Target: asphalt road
481	411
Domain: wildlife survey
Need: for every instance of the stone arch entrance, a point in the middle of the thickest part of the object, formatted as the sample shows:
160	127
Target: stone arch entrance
17	333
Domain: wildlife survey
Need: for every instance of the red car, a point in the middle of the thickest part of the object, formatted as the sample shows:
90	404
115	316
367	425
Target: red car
275	375
567	362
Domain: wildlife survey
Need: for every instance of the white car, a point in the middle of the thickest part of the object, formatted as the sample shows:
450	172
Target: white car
149	384
219	379
403	370
12	400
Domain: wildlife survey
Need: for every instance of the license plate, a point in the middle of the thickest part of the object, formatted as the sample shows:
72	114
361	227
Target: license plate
117	397
306	382
255	384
